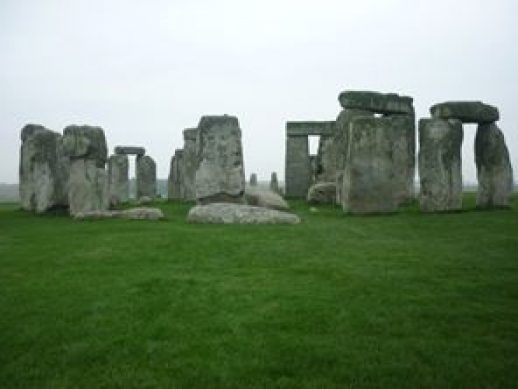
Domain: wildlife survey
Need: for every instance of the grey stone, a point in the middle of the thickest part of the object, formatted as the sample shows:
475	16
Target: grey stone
494	171
88	187
368	183
274	183
189	164
44	170
175	191
404	155
322	193
85	142
220	172
388	103
466	111
253	180
141	213
440	165
325	161
129	150
307	128
146	177
265	198
298	166
118	178
225	213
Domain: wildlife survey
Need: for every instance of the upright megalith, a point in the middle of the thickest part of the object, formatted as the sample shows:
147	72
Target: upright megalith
44	169
440	164
146	177
220	172
368	182
189	163
494	171
174	183
88	186
274	183
118	178
325	162
253	179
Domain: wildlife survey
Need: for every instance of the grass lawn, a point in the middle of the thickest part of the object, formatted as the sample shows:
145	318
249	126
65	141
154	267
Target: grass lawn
403	301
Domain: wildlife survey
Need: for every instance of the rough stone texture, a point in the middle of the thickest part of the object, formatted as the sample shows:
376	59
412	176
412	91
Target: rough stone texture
141	213
118	178
322	193
174	184
44	170
404	149
86	142
307	128
325	162
130	150
253	180
298	166
274	183
388	103
440	165
88	187
224	213
341	144
265	198
220	173
146	177
189	164
466	111
368	184
494	171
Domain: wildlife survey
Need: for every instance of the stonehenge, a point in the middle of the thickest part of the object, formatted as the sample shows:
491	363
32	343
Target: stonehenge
118	181
146	177
175	181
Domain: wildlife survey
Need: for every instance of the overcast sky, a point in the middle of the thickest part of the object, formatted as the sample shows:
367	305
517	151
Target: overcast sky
144	70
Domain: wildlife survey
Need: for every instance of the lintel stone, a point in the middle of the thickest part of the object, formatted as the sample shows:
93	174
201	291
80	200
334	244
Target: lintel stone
382	103
130	150
308	128
466	111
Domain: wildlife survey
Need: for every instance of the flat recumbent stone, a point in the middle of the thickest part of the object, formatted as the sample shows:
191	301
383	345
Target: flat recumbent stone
383	103
466	111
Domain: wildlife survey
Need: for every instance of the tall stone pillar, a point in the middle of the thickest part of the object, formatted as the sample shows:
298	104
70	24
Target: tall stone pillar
174	187
189	163
298	166
494	171
440	164
146	177
118	178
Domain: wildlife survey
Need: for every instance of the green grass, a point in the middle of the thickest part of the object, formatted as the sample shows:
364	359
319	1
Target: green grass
402	301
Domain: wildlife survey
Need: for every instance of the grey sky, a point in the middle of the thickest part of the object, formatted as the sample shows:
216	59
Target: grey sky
145	70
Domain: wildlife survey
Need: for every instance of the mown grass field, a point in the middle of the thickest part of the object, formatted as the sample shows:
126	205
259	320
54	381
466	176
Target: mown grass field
401	301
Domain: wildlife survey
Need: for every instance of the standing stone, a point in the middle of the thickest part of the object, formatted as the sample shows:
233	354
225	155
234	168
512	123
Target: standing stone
274	183
494	171
253	180
440	164
118	178
88	187
146	177
44	170
368	184
325	169
404	156
220	173
189	163
175	191
298	166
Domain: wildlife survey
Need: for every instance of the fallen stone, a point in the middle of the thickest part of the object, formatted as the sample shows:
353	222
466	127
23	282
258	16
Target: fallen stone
129	150
142	213
322	193
388	103
226	213
265	198
440	164
466	111
494	171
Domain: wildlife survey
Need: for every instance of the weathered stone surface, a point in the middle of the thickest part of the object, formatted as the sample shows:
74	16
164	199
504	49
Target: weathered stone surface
129	150
466	111
224	213
253	180
341	144
86	142
44	170
174	183
388	103
189	164
404	149
265	198
118	178
368	184
141	213
88	187
325	161
274	183
440	165
298	166
220	172
146	177
322	193
307	128
494	171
